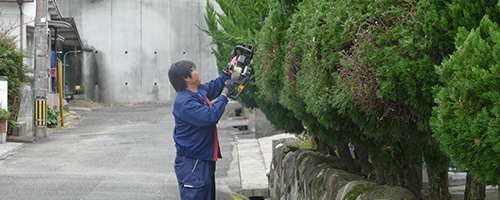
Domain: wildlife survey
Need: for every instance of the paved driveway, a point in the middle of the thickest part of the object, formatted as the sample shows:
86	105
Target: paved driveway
115	152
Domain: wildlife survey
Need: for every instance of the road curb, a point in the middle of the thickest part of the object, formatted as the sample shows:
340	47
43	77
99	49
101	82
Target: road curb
252	169
6	149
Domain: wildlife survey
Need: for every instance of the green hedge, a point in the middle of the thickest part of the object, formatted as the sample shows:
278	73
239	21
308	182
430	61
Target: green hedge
364	72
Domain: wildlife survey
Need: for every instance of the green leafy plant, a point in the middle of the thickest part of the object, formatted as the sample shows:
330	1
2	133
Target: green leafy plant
306	142
12	66
4	114
80	90
52	117
12	124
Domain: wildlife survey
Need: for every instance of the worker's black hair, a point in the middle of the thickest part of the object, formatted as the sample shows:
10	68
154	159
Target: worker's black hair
178	71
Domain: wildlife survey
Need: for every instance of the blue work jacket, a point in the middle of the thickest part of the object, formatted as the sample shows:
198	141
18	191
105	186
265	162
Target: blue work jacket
195	132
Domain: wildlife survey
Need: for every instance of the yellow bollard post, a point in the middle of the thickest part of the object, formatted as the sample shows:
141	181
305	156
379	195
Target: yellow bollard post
41	112
59	76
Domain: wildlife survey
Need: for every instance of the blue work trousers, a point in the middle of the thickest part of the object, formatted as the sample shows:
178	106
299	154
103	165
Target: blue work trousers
195	177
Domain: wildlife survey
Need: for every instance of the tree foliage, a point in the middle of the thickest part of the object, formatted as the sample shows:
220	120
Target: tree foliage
363	72
238	24
361	64
12	66
241	23
305	78
467	118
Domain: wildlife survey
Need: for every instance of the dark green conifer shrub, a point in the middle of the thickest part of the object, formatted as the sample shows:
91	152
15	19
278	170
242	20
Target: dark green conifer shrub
241	23
467	116
356	71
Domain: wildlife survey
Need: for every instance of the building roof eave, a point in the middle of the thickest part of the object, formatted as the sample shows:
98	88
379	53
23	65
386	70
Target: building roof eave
71	36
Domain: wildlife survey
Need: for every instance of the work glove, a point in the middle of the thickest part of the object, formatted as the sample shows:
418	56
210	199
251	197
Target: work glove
229	88
234	54
230	66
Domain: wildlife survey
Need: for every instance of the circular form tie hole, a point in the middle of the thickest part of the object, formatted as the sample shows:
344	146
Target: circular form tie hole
126	83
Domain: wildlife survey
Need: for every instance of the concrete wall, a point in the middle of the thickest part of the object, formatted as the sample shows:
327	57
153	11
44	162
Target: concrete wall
133	44
258	123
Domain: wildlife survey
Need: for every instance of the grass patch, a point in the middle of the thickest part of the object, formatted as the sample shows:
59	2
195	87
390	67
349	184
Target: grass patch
236	197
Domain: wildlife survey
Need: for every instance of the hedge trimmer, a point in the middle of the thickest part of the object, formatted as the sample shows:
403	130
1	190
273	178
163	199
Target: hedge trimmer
242	68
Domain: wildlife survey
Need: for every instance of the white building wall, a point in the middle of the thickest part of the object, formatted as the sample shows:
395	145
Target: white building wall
10	18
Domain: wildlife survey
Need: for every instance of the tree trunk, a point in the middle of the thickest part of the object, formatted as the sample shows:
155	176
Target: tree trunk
384	178
437	171
346	154
366	166
323	146
473	189
438	183
413	180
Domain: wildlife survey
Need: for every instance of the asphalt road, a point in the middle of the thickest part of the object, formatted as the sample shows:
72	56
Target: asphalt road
115	152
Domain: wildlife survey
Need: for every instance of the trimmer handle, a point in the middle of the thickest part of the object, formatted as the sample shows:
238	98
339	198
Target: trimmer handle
246	50
240	86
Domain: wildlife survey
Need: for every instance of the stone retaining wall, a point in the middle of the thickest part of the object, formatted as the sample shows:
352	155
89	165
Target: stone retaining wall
302	174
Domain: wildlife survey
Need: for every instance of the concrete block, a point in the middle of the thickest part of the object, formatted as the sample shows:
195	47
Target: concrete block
234	105
19	130
27	122
80	98
3	138
262	126
65	106
237	122
53	100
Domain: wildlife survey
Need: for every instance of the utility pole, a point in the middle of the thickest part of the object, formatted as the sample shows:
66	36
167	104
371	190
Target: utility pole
41	69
